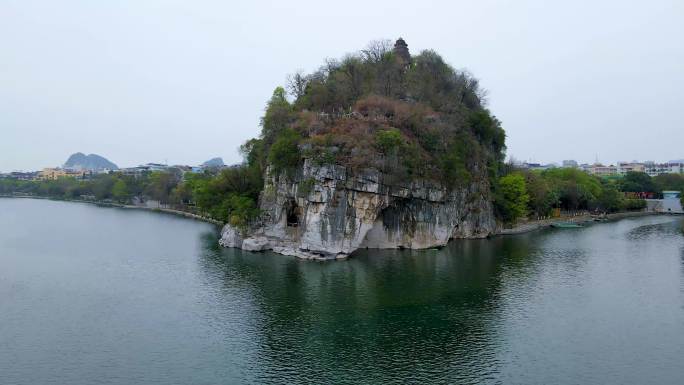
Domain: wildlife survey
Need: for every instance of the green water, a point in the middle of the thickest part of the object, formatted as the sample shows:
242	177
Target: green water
92	295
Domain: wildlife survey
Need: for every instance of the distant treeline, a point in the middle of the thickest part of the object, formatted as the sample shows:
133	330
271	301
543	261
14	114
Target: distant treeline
231	195
522	193
228	195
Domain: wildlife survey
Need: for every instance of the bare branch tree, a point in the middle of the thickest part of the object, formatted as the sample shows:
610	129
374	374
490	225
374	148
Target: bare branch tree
296	83
469	89
376	50
483	95
331	65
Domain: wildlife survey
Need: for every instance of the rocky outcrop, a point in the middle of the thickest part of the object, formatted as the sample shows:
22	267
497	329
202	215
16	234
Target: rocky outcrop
326	212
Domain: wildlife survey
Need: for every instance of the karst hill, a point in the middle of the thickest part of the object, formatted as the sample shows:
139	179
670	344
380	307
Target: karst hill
380	149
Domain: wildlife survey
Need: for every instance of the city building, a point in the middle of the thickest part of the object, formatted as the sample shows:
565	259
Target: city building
20	175
669	204
134	171
56	173
537	166
622	168
51	173
156	167
142	169
600	170
625	167
654	169
570	164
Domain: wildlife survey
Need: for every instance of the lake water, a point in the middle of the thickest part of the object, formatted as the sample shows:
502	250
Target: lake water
92	295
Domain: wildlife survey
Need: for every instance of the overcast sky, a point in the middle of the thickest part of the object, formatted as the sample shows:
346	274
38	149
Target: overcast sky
184	81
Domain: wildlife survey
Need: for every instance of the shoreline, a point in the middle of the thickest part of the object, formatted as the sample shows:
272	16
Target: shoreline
518	229
184	214
546	223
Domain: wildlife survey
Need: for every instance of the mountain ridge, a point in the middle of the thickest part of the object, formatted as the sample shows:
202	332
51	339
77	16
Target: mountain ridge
214	162
92	162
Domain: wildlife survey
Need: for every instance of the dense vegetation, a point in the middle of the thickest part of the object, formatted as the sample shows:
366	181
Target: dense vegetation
410	119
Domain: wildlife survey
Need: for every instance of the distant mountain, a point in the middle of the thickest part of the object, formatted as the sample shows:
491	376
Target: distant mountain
89	162
677	161
213	162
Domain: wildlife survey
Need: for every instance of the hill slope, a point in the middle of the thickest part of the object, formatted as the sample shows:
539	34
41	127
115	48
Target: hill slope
91	162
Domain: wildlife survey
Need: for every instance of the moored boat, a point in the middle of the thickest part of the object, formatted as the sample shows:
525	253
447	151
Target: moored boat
566	225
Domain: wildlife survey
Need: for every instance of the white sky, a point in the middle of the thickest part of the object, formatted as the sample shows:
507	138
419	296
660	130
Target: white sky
184	81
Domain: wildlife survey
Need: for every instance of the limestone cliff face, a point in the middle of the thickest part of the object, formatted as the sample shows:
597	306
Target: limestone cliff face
326	212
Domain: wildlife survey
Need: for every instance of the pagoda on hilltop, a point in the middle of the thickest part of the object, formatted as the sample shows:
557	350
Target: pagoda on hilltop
401	52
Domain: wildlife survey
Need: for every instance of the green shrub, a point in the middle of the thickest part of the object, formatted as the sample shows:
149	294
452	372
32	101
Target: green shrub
120	191
388	141
511	197
610	199
637	182
453	162
284	154
278	116
304	187
634	204
241	210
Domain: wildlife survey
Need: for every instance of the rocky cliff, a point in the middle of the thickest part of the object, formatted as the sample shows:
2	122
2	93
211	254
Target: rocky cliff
327	212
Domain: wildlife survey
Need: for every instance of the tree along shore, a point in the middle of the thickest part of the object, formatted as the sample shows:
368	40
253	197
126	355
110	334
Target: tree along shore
185	214
209	195
520	195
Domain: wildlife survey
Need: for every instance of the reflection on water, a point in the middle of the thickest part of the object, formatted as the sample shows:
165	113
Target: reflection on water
660	230
475	311
165	304
380	316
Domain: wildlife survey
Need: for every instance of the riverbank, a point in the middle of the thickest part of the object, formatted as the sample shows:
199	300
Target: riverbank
520	228
529	226
184	214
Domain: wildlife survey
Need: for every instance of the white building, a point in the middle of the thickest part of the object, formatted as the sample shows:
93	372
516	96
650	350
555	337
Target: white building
654	169
600	170
537	166
625	167
156	167
622	168
669	204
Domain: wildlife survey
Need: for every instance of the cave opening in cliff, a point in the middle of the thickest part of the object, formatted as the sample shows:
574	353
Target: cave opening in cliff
293	213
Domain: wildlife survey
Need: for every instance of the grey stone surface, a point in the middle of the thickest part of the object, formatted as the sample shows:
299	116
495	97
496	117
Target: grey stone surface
256	244
230	237
327	212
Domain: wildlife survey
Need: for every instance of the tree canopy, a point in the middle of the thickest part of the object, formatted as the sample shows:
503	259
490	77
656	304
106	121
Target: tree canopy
637	182
511	197
371	110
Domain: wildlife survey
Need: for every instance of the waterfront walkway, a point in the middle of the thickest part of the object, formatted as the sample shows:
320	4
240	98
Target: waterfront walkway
533	225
